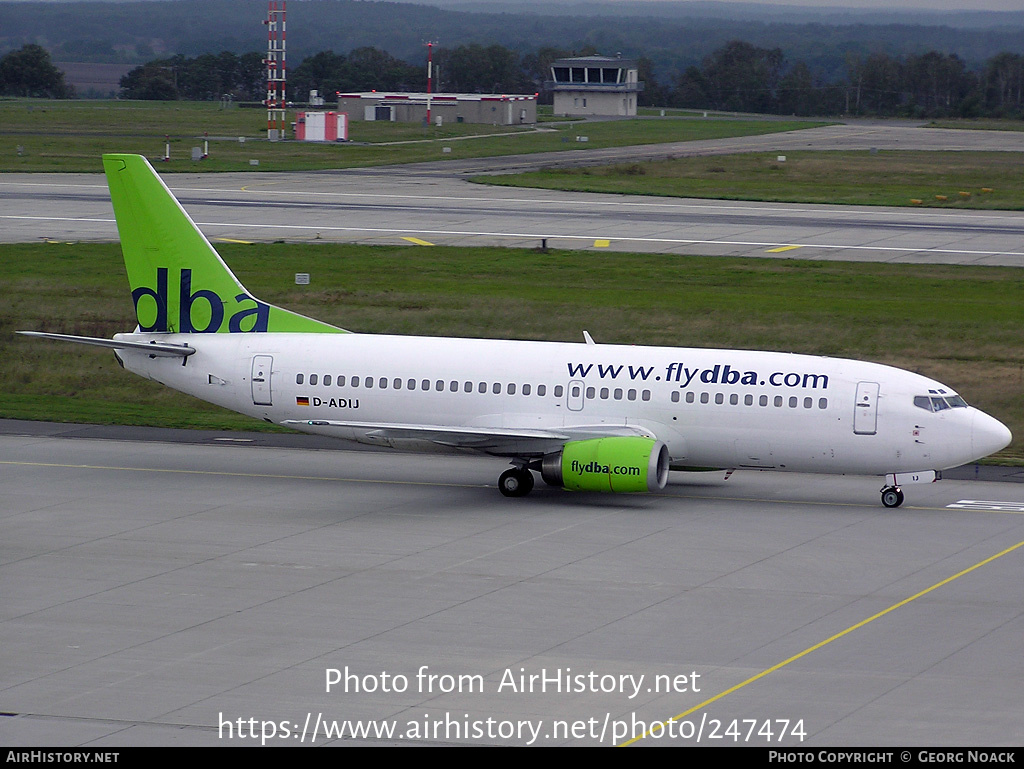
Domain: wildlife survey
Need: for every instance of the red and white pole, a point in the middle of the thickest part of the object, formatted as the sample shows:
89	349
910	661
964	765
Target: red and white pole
430	76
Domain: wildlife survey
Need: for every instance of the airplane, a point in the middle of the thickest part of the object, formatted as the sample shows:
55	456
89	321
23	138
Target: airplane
584	416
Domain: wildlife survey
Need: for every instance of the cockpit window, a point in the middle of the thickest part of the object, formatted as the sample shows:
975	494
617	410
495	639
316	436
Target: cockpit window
936	403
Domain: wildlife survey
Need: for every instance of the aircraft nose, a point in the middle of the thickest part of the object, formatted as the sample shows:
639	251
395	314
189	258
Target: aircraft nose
988	435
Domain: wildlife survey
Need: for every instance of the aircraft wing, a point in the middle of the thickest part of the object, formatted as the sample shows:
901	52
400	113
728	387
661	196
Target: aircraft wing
491	440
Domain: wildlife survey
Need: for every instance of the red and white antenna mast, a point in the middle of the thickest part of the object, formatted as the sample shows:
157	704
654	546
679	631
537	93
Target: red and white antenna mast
276	70
430	76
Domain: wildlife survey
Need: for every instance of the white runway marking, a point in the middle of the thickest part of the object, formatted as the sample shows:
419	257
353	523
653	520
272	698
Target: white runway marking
984	504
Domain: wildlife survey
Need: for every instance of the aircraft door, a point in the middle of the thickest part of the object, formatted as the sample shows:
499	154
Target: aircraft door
261	369
865	409
574	395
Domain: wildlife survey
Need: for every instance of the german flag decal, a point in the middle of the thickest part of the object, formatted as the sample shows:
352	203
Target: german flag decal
301	401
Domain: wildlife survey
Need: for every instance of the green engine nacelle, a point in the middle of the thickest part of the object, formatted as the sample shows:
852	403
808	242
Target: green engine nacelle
608	464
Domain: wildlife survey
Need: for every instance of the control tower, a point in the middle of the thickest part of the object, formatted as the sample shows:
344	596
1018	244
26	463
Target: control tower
595	85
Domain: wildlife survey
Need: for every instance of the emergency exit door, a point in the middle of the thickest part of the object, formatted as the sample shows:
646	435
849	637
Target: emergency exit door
865	409
261	368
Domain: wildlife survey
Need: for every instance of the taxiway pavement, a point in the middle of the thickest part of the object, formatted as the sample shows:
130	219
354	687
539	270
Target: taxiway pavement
432	203
156	592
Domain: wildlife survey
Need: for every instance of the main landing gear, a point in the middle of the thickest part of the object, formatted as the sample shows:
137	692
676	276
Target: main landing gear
515	482
892	496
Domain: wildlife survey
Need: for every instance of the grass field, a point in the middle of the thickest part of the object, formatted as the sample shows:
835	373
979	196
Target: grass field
71	136
987	180
980	124
961	325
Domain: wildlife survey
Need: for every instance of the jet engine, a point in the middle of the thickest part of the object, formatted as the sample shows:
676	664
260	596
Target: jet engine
620	464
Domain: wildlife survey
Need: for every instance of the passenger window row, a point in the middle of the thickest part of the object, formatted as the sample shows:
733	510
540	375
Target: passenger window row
437	385
495	388
607	393
778	401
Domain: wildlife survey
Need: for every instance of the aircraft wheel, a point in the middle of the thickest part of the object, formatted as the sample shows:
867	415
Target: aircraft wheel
515	482
892	496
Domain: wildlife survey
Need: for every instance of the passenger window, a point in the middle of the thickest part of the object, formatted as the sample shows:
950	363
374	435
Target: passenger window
410	384
734	399
808	402
482	387
341	381
355	381
368	382
689	397
511	389
631	395
704	398
719	398
327	380
298	379
382	383
496	389
526	389
792	401
558	391
822	403
425	384
618	394
453	386
646	395
467	387
778	401
590	393
542	390
748	400
439	385
312	379
763	400
604	393
675	396
397	384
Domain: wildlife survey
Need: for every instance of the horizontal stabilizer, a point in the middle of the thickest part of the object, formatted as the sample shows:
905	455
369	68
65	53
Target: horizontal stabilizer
156	349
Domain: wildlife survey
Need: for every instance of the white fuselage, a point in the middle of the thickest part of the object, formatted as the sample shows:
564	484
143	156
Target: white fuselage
712	408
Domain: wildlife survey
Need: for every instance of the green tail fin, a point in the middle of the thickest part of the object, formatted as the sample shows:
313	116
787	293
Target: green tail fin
179	282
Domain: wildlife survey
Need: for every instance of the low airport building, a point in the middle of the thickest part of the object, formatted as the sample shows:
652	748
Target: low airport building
489	109
595	85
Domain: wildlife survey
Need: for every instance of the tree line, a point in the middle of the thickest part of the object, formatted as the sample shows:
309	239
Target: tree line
207	77
739	77
28	71
742	77
675	36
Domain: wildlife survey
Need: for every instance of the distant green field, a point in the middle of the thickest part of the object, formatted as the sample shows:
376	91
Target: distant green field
71	136
961	325
979	124
987	180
